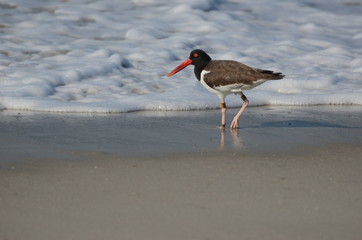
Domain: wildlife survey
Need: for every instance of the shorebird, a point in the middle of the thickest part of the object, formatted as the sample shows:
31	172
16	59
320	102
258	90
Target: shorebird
224	77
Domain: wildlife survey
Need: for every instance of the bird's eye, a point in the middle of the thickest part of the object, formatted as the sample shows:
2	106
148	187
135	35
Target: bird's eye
195	55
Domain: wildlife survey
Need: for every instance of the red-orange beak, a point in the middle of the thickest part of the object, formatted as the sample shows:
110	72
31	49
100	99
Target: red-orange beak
180	67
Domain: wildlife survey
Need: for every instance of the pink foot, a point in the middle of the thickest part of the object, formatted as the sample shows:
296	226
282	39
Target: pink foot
235	123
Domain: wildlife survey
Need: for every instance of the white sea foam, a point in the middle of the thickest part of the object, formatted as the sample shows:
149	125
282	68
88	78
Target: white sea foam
112	56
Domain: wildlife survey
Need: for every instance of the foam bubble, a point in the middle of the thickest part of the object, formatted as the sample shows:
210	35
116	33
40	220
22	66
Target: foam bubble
107	56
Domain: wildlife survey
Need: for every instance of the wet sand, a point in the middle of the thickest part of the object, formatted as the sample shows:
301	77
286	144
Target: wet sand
287	173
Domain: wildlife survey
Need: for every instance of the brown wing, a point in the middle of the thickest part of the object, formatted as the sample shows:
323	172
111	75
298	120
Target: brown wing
225	72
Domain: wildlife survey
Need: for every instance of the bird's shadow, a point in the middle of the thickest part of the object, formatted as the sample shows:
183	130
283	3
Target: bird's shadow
300	124
237	140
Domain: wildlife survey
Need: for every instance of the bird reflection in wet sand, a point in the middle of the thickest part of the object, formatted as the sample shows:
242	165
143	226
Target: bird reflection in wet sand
234	133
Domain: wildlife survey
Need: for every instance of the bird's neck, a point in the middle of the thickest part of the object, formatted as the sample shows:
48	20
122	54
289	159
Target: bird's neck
198	70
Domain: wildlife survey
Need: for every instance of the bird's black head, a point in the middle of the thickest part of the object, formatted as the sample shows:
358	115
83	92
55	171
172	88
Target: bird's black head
199	58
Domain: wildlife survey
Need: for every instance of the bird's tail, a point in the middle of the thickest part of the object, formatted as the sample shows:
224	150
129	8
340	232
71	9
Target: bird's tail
270	75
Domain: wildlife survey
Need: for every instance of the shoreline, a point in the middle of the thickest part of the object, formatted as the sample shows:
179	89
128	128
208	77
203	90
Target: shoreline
285	174
262	129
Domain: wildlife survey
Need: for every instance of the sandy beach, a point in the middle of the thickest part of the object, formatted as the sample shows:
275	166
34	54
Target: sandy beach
97	142
287	173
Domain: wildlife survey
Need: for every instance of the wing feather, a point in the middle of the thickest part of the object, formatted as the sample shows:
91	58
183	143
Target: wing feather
225	72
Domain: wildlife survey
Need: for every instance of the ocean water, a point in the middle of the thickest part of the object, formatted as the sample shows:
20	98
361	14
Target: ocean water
113	56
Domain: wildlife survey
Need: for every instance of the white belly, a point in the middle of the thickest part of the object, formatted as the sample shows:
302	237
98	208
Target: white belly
222	91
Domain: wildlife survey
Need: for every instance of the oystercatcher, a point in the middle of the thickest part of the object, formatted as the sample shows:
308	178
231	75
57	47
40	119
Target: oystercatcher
223	77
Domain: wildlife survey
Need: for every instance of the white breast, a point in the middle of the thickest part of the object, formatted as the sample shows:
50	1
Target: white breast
218	92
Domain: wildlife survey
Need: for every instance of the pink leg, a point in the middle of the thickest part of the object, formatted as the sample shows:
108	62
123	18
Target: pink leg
235	122
223	114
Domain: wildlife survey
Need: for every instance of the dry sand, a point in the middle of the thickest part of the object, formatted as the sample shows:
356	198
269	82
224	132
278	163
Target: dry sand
288	173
